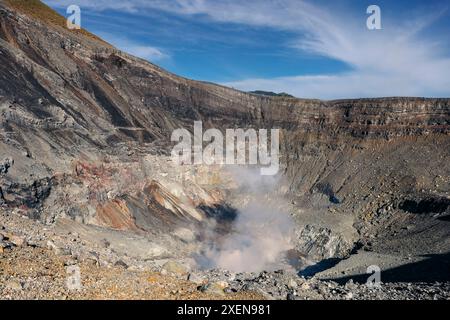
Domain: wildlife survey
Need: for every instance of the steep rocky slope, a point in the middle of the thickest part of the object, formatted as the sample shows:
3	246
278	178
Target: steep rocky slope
85	144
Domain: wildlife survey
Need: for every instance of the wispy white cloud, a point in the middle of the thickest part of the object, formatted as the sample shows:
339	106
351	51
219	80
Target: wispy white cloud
98	5
349	85
392	61
396	60
146	52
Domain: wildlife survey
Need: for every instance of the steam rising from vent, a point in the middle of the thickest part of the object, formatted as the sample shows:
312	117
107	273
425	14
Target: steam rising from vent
261	233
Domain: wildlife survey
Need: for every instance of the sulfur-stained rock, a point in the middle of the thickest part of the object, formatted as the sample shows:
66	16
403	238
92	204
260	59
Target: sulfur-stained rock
216	288
85	137
174	268
184	234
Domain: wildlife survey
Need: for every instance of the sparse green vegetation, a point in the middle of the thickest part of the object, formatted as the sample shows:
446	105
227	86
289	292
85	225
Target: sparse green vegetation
41	11
272	94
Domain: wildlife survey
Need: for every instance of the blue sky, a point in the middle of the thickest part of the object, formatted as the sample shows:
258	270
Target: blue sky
311	49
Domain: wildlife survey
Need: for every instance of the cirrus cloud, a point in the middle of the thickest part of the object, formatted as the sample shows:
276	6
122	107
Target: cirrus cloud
397	60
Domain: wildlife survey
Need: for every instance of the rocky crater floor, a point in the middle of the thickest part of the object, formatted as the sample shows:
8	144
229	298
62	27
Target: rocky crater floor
35	263
87	183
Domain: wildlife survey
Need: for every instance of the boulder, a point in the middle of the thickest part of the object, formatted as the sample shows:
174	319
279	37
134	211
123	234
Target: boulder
14	285
18	241
216	288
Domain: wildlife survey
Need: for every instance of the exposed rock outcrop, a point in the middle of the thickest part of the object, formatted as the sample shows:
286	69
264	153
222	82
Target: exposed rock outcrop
89	127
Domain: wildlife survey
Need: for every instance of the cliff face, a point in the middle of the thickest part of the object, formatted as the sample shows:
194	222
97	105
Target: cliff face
68	99
66	80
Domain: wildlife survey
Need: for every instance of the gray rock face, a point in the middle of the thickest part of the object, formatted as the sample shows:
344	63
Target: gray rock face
318	243
5	165
68	96
80	118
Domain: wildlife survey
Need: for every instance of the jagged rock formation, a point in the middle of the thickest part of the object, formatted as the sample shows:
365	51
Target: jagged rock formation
85	135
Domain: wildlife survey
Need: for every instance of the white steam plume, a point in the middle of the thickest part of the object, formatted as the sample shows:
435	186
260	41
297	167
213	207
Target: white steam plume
262	230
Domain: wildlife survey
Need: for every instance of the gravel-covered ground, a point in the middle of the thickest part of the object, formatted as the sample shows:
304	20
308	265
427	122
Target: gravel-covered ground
33	265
